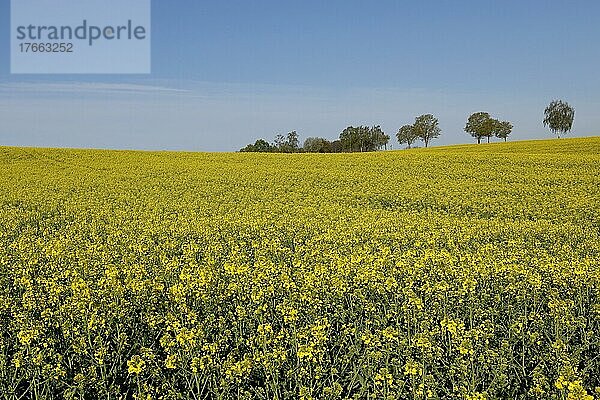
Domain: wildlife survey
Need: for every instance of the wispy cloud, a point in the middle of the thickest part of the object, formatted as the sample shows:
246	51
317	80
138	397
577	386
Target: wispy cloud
87	87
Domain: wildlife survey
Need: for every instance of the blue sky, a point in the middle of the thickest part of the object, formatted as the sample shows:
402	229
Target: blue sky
227	73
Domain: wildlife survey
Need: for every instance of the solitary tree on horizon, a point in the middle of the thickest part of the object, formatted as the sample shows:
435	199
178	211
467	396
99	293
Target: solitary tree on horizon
559	117
426	128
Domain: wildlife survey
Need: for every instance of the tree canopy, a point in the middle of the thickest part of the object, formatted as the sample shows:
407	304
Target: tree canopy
426	128
290	144
502	129
480	125
317	145
559	117
287	144
363	138
260	146
406	135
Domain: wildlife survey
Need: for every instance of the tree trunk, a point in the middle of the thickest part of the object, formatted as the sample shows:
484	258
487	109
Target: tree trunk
504	140
488	139
478	140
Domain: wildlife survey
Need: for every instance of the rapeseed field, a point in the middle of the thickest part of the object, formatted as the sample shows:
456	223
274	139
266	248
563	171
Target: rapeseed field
464	272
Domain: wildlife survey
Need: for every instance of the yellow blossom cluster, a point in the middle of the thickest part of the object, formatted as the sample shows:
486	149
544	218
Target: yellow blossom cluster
464	272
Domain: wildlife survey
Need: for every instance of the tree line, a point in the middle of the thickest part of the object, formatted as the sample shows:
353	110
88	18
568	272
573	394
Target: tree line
558	117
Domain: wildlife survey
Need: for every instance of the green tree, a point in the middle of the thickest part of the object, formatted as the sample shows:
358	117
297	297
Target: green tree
406	135
354	138
363	133
363	138
280	142
336	146
317	145
287	144
502	129
559	117
260	146
349	139
480	125
293	141
426	128
377	139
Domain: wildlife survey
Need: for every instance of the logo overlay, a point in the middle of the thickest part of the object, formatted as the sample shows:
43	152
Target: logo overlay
80	37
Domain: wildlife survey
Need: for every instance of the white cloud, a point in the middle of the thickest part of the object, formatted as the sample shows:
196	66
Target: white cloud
85	87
